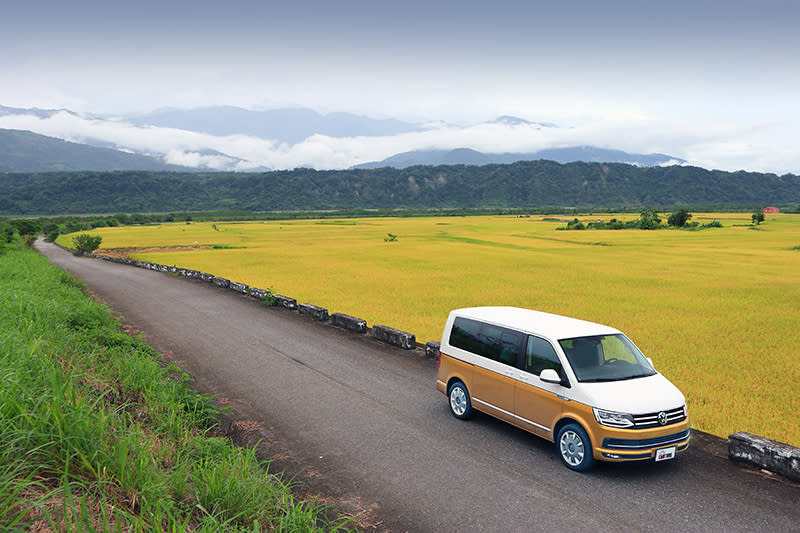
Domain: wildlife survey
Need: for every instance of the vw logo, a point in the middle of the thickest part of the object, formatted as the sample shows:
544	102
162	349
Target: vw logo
662	418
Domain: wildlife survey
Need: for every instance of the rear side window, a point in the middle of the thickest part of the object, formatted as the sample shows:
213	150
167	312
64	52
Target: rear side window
499	344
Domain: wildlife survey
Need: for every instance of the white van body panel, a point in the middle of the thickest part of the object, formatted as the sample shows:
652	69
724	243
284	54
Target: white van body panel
526	320
649	394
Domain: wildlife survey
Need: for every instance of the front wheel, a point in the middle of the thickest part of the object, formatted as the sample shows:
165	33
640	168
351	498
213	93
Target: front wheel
460	404
575	448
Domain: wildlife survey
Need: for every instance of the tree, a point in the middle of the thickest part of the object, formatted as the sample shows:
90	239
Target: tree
758	217
649	219
576	224
85	243
679	218
27	227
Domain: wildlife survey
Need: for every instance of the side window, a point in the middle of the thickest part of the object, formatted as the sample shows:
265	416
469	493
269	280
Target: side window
540	355
466	335
490	341
493	345
509	341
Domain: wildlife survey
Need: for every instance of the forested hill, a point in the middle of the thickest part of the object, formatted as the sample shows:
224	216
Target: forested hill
523	184
27	151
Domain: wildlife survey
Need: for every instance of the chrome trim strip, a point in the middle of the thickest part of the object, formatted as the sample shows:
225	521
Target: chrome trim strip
510	414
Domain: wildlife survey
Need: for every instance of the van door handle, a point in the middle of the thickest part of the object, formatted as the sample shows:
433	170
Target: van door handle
509	373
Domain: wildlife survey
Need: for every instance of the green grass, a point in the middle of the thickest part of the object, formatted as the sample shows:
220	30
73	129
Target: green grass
98	434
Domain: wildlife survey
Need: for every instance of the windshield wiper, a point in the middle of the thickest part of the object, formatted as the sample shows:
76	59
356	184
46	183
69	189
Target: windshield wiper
636	376
603	380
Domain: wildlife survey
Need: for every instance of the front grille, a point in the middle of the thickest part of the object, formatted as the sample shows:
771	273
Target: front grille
640	444
650	420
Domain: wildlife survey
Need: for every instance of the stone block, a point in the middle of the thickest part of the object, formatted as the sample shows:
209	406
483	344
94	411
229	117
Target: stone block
188	273
260	294
221	282
313	311
289	303
352	323
238	287
765	453
396	337
432	350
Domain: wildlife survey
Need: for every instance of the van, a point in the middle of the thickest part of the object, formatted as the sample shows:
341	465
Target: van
582	385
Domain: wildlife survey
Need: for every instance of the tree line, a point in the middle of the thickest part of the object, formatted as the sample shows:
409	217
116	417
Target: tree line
525	184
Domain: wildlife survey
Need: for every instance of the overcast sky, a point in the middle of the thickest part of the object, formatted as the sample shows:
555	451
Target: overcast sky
713	82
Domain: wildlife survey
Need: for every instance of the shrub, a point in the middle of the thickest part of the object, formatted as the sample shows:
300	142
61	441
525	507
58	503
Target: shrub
270	300
86	243
575	224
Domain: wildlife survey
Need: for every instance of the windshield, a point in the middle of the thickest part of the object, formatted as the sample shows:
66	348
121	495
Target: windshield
605	358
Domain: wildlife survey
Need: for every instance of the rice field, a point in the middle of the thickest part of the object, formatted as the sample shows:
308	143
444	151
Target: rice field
717	309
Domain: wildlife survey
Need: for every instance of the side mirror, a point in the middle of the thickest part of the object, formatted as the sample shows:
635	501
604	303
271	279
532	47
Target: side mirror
651	363
549	375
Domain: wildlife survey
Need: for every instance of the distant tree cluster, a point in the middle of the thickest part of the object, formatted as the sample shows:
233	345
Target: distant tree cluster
648	220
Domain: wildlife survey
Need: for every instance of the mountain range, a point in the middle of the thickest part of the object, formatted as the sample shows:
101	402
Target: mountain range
289	126
23	151
231	138
466	156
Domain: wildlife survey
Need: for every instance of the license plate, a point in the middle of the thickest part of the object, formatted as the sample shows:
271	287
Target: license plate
665	453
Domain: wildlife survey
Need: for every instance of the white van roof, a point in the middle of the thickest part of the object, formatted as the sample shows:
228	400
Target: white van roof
537	322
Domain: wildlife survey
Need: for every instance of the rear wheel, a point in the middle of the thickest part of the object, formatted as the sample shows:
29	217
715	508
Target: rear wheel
575	448
460	404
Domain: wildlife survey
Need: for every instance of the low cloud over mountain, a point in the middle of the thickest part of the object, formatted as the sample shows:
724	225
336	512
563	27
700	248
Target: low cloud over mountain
230	138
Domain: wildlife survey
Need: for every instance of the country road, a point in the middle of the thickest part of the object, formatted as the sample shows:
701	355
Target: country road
371	431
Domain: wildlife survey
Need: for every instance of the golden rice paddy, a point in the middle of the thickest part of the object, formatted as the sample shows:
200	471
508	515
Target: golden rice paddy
718	310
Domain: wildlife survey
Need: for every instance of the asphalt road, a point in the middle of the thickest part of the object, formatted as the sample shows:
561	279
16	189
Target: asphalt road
373	434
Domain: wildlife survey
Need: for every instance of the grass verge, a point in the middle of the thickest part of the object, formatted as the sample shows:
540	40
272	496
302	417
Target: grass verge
99	434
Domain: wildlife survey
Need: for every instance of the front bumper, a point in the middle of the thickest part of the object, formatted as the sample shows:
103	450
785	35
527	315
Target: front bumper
625	448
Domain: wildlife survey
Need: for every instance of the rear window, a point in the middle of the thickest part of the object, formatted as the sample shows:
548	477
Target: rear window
494	342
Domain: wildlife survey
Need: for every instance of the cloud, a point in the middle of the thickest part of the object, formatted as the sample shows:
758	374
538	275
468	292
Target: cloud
721	145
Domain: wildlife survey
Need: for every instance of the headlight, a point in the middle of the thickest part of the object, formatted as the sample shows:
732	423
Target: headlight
610	418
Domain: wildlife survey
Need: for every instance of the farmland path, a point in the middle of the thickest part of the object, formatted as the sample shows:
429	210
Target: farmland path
374	435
